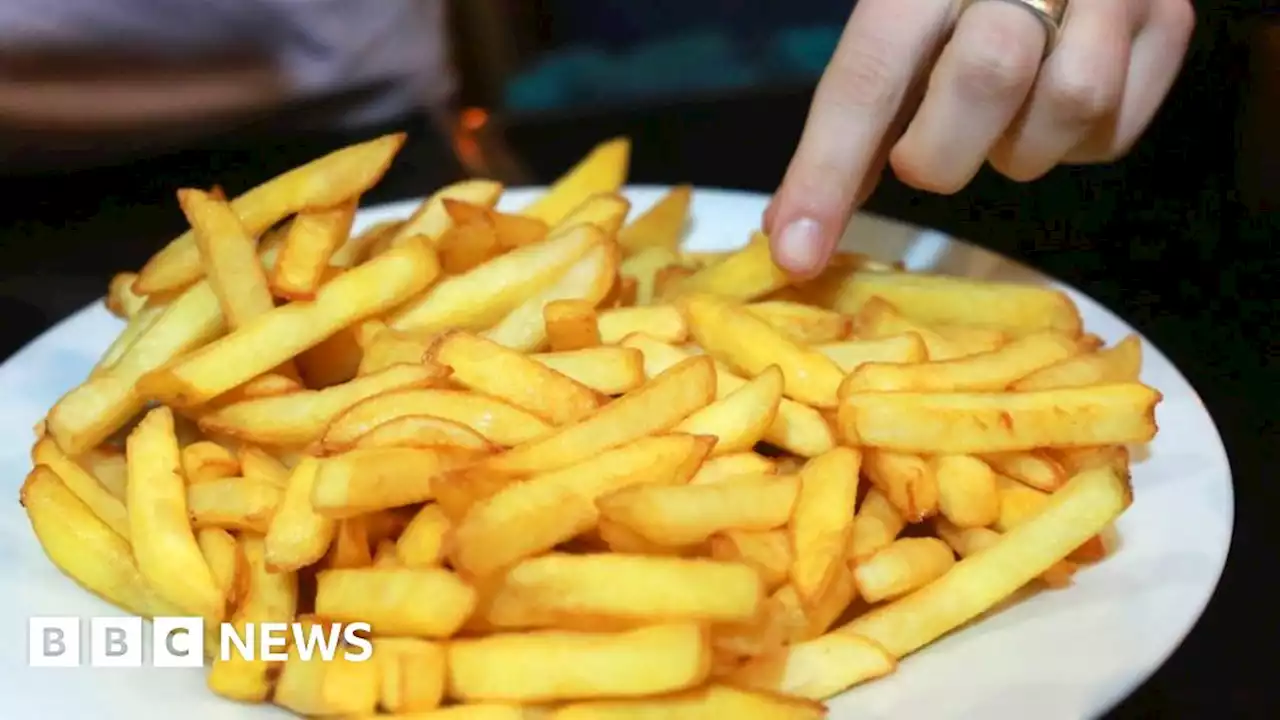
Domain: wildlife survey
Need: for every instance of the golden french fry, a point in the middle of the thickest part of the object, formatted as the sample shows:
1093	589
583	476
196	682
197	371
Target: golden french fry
413	602
643	266
554	589
362	481
224	559
512	231
934	299
257	464
1117	364
206	460
822	521
662	225
749	344
967	494
744	275
906	480
876	525
163	541
993	370
603	170
313	237
521	519
730	466
796	427
740	419
877	319
229	257
86	549
412	675
1074	460
607	370
655	407
282	333
499	422
424	541
432	218
850	355
237	503
712	701
1020	502
1000	422
297	535
463	247
905	565
513	667
1077	512
571	325
139	324
424	431
334	360
121	300
108	465
803	323
350	548
768	552
356	248
588	279
107	507
967	541
676	515
269	597
489	368
481	296
324	182
660	322
606	211
1036	468
309	686
819	668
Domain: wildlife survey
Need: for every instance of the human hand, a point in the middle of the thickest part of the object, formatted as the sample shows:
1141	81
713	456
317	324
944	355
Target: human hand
993	94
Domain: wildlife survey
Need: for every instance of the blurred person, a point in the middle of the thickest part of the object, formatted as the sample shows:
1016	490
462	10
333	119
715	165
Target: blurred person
107	107
1024	85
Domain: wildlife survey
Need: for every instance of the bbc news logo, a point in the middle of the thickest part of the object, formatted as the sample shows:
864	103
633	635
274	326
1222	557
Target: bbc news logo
179	642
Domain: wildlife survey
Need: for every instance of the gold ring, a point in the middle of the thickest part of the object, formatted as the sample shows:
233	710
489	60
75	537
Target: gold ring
1050	13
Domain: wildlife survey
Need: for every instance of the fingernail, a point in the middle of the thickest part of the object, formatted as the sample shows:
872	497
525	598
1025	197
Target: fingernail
801	249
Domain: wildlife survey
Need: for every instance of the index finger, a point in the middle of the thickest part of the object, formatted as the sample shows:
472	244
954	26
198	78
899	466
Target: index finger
874	65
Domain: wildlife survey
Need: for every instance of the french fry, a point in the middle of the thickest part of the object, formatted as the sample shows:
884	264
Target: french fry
906	480
432	218
163	542
1036	468
311	687
1117	364
257	464
235	503
661	226
463	247
297	535
512	230
350	548
967	541
934	299
745	275
278	335
108	466
819	668
967	494
607	370
269	597
1074	460
362	481
677	515
993	370
521	519
850	355
489	368
424	431
311	241
481	296
1000	422
138	325
571	325
1077	512
1020	502
356	248
424	542
107	507
207	460
656	406
606	211
336	359
410	602
904	565
603	170
661	322
224	560
121	300
412	674
740	419
822	521
712	701
499	422
635	663
325	182
803	323
86	549
727	467
768	552
749	345
588	279
796	427
643	266
876	525
877	319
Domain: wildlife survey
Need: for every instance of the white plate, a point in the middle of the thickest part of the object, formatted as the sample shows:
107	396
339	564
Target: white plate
1071	653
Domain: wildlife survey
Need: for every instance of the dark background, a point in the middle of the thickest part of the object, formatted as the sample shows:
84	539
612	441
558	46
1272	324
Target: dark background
1178	238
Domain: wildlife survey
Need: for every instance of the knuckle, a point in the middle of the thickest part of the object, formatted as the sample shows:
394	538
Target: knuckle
917	172
1000	62
1078	98
861	75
